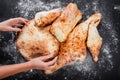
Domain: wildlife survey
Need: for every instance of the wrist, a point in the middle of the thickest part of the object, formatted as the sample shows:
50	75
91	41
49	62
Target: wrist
0	26
30	64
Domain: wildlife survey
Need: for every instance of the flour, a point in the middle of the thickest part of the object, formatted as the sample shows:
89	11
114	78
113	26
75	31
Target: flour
1	37
88	68
117	7
28	8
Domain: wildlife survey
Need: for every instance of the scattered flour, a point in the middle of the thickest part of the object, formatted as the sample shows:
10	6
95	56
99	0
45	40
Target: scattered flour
117	7
27	9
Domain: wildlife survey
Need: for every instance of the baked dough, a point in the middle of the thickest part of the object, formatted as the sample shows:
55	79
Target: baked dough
64	24
45	18
94	41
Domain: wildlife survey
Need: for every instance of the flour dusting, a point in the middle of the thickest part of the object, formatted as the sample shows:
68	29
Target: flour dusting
87	68
117	7
28	8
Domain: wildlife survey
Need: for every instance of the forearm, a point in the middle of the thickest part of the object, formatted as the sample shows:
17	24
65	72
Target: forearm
1	26
9	70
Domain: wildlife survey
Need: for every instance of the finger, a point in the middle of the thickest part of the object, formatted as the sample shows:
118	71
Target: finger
51	67
18	25
23	19
47	57
52	62
15	29
20	20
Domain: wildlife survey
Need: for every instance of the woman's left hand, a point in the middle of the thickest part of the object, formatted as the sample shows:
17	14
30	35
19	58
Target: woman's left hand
8	25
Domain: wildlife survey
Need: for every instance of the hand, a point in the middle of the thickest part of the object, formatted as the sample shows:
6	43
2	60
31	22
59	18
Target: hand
8	25
42	63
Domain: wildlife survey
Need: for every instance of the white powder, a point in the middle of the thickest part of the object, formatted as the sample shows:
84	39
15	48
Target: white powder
1	37
27	9
117	7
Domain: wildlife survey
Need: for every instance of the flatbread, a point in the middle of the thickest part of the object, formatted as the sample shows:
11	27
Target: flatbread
64	24
94	41
45	18
36	40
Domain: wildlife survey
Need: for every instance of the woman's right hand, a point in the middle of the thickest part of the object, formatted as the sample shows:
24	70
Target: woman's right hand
42	62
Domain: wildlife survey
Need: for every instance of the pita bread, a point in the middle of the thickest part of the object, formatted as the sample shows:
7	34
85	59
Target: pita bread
64	24
34	40
94	41
45	18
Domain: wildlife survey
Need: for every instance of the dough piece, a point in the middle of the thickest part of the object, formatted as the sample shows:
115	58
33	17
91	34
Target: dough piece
33	42
64	24
94	40
45	18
